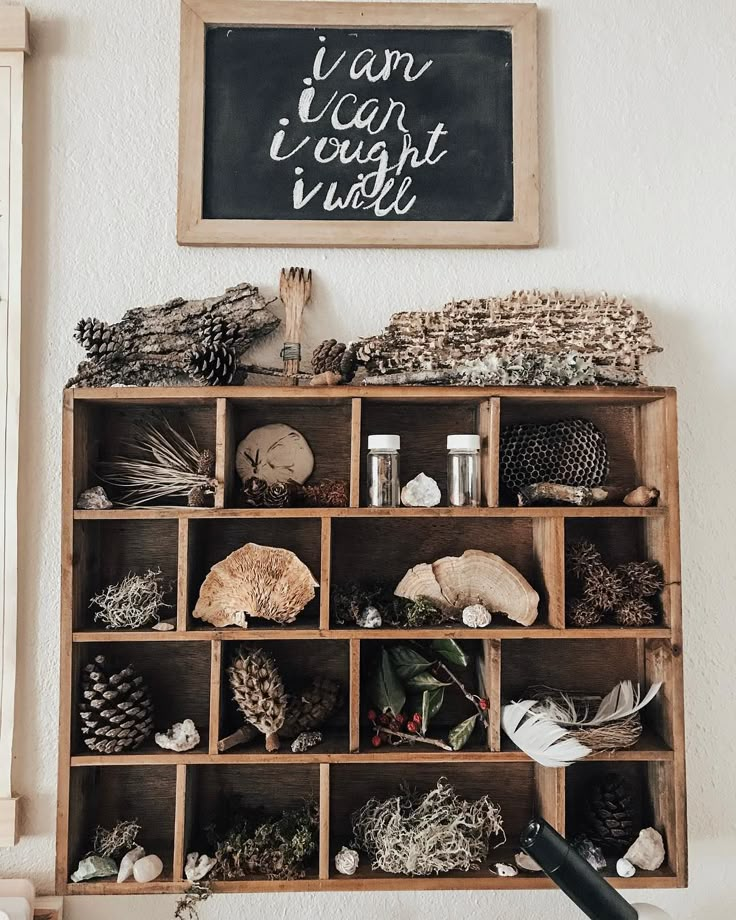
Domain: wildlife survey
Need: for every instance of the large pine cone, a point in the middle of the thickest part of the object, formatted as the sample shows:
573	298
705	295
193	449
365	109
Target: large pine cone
212	364
95	337
259	693
311	708
117	711
611	814
215	330
336	357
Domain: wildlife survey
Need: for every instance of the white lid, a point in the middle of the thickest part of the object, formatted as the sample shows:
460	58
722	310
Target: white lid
463	442
384	442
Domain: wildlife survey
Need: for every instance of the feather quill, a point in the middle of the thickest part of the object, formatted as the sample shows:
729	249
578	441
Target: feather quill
540	737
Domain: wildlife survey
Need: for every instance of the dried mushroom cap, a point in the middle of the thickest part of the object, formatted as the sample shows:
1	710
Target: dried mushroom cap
476	577
255	581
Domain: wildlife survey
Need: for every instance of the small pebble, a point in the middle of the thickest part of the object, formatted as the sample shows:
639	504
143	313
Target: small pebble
625	869
147	869
165	626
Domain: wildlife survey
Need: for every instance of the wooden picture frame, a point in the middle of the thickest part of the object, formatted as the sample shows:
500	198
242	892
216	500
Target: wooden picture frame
195	230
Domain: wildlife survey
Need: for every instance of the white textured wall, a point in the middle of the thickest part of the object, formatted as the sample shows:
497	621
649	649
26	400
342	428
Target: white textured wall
638	152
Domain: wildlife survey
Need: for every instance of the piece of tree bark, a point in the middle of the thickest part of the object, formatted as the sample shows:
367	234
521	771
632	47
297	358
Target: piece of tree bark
152	345
541	493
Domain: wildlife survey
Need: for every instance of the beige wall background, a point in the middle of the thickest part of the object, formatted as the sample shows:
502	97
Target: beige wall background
638	153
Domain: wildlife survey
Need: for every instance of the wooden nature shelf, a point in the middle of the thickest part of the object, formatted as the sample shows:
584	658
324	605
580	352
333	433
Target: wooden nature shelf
176	792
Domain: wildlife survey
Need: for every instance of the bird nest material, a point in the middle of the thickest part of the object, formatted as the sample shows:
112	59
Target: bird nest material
116	841
133	602
427	834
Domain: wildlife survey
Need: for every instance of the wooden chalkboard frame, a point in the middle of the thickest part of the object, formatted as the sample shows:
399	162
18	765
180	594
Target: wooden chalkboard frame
520	19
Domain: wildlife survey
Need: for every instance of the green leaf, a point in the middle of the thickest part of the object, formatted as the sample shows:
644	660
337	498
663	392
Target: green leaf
425	681
407	662
388	693
432	701
450	651
460	734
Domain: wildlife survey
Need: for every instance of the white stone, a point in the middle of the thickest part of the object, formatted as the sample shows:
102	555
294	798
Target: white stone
526	863
647	851
476	616
198	867
505	870
369	618
421	492
165	626
625	869
147	869
347	861
128	862
182	736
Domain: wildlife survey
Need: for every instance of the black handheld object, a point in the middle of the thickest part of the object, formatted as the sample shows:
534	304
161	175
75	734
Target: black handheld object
573	875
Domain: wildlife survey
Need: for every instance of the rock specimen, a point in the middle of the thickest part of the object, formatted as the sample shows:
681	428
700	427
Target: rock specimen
128	862
94	867
147	868
305	741
198	867
152	346
591	853
182	736
347	861
647	851
369	618
274	453
476	616
624	868
94	499
476	577
525	862
255	581
421	492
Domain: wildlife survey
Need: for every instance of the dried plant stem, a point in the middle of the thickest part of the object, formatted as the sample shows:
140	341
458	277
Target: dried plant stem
471	697
405	736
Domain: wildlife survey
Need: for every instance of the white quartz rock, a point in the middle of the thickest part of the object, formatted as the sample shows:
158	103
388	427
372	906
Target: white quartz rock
198	867
182	736
127	863
147	868
347	861
421	492
647	851
625	869
476	616
505	870
526	863
369	618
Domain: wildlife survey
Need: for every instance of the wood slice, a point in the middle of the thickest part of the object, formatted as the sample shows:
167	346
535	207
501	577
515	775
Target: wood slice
275	453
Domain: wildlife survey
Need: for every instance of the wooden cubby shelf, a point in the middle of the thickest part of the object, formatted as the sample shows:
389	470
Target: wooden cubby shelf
177	794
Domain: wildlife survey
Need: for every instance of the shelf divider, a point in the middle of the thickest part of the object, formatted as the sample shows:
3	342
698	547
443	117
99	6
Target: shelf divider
180	822
324	820
355	436
182	576
224	454
492	677
215	694
549	783
489	429
325	567
354	729
549	553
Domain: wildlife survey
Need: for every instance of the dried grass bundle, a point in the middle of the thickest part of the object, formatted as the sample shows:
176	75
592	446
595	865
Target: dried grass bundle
164	464
133	602
427	834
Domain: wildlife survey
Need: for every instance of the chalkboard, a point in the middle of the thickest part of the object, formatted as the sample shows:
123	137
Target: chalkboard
369	134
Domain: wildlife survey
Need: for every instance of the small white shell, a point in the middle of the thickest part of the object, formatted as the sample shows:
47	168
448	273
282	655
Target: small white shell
526	863
505	870
347	861
624	868
127	863
147	869
476	616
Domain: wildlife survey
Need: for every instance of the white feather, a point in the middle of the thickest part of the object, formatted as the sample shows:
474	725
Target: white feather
539	737
622	702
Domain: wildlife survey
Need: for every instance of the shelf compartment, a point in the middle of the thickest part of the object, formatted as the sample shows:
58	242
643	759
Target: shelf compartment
102	797
106	551
216	792
325	423
211	541
178	682
511	786
423	428
383	549
298	665
103	431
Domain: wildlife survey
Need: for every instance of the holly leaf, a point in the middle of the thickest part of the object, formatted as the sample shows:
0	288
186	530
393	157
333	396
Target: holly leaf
425	681
432	701
407	662
460	734
388	693
450	651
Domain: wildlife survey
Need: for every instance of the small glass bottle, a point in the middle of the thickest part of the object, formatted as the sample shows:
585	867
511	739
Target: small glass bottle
463	470
384	490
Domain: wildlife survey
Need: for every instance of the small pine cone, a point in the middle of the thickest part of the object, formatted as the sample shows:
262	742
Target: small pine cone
199	497
582	557
212	364
582	614
278	495
215	330
327	493
311	708
635	611
116	708
259	693
206	464
603	588
610	814
254	491
641	579
95	337
336	357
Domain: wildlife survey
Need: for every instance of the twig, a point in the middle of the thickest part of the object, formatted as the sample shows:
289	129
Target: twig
472	697
272	371
405	736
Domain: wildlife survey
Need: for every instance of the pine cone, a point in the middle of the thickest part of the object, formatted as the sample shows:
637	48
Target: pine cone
254	490
212	364
259	693
311	708
278	495
327	493
641	579
199	497
582	614
95	337
337	357
635	612
611	814
117	711
215	330
603	588
582	557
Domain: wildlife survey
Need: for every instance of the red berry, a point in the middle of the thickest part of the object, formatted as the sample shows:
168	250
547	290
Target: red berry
372	715
412	727
483	703
394	725
417	718
400	718
384	720
376	741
